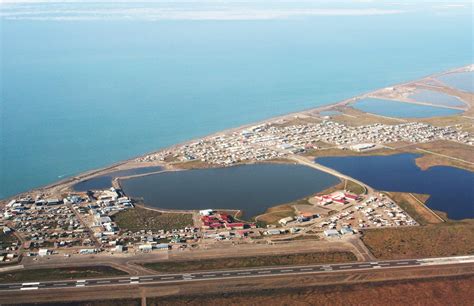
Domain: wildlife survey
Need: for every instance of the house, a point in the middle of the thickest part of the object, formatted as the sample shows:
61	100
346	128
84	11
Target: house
206	212
362	146
285	221
273	232
351	197
347	230
331	233
162	246
7	230
44	252
54	201
234	225
87	251
145	247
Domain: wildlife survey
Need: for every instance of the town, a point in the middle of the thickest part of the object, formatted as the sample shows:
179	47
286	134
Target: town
83	224
272	141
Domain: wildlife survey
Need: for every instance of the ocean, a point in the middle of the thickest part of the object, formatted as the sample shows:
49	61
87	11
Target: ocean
85	85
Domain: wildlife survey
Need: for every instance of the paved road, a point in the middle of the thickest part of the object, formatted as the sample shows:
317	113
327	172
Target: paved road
304	161
245	273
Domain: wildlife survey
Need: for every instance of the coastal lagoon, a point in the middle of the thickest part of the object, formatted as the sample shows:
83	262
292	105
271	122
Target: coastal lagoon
250	188
460	80
396	109
105	181
435	97
451	189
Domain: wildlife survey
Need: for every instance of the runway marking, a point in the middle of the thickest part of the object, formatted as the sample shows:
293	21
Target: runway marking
245	273
103	282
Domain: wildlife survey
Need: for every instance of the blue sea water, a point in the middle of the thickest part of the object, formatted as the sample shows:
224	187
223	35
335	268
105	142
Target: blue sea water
84	85
397	109
450	189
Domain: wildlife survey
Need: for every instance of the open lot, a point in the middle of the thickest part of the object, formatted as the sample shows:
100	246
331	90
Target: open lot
59	273
413	205
249	262
273	214
146	219
444	239
445	153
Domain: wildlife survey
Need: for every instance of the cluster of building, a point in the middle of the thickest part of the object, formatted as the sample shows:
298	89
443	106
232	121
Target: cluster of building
97	213
271	141
371	212
146	241
44	222
212	220
222	226
301	218
382	212
339	197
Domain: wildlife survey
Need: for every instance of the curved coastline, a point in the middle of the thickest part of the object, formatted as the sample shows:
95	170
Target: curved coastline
67	183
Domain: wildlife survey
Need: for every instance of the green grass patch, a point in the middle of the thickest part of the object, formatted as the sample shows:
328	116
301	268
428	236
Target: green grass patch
252	261
59	274
139	218
354	187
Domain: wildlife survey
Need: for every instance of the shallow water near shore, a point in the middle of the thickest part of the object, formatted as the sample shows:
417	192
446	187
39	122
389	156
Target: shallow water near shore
250	188
451	189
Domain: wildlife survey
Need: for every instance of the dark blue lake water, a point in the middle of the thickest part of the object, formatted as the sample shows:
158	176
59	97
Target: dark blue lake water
251	188
105	181
451	189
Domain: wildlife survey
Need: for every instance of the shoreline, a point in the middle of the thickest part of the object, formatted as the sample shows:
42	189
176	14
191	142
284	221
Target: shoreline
131	163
